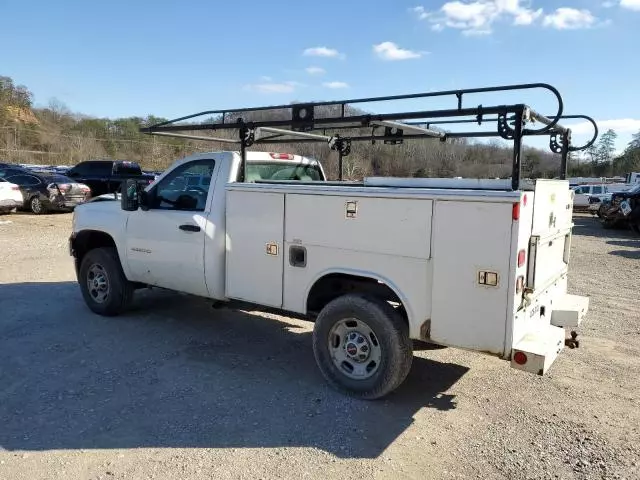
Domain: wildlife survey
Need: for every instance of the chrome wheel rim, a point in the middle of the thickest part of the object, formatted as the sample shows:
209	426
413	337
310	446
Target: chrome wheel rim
36	205
354	348
98	283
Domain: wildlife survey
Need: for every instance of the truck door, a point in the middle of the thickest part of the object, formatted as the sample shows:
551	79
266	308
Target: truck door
165	243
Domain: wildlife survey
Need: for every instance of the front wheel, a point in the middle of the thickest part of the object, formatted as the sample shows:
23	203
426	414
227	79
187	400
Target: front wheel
362	346
105	288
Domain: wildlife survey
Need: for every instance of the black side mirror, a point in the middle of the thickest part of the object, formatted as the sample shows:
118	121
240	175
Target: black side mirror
129	195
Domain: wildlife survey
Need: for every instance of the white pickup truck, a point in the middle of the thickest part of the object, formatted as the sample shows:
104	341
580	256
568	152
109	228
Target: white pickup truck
461	263
470	263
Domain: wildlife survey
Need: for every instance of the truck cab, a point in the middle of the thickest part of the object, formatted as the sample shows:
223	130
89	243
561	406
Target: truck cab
183	212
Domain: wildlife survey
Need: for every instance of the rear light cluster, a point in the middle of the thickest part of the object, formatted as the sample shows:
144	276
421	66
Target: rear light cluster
515	212
522	258
281	156
520	358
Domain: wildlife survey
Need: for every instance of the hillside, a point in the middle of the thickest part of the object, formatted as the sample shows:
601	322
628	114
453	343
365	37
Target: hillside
56	136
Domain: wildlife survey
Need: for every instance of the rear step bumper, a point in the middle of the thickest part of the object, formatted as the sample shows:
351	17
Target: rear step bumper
569	310
537	350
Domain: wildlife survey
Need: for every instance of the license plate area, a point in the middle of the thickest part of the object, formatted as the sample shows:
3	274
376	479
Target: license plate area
625	207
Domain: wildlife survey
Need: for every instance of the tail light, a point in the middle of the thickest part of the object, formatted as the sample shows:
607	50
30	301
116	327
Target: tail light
522	257
281	156
515	213
520	358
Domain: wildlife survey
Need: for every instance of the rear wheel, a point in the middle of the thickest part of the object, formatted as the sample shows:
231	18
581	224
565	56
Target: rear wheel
36	206
362	346
105	288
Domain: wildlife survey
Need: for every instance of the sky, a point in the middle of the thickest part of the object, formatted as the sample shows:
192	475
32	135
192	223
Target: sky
173	58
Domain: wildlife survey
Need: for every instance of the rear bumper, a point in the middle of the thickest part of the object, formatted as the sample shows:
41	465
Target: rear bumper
569	311
67	202
536	351
11	203
539	347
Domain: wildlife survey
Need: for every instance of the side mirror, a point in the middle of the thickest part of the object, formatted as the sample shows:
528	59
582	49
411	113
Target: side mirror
129	195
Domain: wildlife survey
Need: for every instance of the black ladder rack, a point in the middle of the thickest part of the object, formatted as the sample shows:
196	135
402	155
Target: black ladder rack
317	122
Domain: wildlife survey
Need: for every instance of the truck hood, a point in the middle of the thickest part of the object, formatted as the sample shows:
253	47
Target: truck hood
112	197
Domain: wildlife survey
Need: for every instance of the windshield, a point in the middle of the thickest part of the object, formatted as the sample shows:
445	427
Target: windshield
282	171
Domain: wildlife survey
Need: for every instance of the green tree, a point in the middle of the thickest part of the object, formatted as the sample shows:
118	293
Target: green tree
607	146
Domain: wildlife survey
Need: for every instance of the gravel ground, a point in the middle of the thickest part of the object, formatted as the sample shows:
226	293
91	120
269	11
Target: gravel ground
176	389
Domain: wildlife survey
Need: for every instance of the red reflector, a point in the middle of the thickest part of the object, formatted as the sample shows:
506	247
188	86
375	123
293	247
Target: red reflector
522	255
515	214
520	358
282	156
524	200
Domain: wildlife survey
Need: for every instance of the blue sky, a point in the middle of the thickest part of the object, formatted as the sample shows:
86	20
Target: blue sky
171	58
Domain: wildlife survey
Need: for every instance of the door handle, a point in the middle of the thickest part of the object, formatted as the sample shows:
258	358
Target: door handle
189	228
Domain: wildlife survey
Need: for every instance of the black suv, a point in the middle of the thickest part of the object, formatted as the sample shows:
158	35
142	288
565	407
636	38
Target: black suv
106	176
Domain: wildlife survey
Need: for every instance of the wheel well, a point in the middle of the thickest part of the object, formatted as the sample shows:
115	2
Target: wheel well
335	285
90	239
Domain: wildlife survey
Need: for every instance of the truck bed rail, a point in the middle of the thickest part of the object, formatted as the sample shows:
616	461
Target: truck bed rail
341	122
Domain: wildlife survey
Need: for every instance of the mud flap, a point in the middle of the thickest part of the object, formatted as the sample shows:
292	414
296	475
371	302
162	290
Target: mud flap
537	350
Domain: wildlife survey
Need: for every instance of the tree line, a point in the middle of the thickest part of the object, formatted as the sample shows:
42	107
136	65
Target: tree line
54	135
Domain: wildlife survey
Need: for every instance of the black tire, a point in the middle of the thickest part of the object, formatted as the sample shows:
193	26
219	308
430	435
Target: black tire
120	290
392	335
36	206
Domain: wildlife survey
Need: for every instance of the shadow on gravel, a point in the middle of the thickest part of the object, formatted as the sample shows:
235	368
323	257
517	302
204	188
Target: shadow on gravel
625	243
176	373
591	227
632	254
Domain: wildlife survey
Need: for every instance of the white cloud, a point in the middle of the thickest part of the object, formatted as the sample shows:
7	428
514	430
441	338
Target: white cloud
336	85
323	52
273	87
315	70
619	125
630	4
477	17
391	51
420	12
565	18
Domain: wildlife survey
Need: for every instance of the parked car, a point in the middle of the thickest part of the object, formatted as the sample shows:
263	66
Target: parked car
584	195
10	196
624	209
44	191
106	176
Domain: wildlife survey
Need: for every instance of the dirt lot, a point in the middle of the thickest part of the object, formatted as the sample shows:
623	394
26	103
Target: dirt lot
178	390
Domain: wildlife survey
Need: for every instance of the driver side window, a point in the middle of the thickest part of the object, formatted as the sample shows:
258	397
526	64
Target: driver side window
186	188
